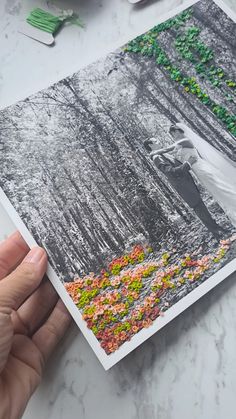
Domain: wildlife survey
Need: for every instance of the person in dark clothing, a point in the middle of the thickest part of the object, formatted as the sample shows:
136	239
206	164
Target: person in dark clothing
180	178
151	216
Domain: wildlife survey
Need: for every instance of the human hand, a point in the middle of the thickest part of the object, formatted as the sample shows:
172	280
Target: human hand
192	160
154	153
156	159
181	125
32	322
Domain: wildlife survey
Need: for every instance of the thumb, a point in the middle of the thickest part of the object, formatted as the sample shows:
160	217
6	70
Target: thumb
16	287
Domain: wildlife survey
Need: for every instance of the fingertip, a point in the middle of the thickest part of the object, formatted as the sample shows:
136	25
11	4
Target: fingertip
36	255
35	262
17	238
21	282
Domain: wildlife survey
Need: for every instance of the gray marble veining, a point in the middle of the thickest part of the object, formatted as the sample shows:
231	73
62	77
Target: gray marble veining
185	371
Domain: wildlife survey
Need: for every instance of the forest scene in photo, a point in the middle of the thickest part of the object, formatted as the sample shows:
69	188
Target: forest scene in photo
129	232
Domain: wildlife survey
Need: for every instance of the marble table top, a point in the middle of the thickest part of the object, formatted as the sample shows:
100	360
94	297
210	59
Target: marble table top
187	370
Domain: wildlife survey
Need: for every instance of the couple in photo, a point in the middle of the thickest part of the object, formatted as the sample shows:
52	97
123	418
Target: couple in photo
191	154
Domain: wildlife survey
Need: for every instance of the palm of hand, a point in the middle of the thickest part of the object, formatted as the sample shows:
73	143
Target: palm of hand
31	323
19	365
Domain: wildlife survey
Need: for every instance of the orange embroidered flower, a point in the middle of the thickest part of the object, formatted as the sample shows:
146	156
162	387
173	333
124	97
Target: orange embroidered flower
117	305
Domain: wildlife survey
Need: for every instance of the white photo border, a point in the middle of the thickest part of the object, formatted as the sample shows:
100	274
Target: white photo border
110	360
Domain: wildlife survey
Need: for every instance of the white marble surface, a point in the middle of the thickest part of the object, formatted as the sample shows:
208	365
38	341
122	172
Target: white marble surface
188	370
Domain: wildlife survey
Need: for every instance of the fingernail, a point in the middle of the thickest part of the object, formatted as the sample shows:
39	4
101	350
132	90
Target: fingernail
35	255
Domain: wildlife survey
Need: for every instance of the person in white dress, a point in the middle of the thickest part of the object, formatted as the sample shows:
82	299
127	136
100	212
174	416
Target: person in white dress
214	171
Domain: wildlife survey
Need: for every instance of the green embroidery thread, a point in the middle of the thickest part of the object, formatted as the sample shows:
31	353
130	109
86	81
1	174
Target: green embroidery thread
148	45
49	23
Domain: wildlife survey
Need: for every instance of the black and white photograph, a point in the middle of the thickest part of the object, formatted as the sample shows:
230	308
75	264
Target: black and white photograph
125	173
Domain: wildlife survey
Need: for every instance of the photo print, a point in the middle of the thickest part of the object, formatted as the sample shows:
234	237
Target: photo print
125	173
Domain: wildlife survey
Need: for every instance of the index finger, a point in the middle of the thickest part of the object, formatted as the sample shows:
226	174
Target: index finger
12	252
23	281
50	333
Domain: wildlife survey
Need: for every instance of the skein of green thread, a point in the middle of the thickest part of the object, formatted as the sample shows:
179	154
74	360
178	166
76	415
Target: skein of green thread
49	23
44	21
